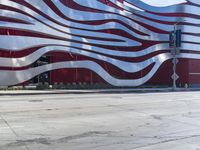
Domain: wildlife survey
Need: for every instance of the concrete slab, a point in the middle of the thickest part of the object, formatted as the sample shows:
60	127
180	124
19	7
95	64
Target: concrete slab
145	121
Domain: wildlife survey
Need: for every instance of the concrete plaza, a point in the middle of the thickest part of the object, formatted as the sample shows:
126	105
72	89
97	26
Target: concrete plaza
128	121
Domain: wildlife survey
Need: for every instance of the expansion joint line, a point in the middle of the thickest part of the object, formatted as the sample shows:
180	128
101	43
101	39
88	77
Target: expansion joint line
13	131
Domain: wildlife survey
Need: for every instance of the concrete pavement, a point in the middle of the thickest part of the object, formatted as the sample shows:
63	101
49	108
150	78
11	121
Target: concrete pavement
140	121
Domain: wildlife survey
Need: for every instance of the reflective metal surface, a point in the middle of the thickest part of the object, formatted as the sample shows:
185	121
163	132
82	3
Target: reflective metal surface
138	30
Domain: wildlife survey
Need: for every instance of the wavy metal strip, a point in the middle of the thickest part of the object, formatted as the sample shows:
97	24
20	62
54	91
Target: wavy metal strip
123	65
15	77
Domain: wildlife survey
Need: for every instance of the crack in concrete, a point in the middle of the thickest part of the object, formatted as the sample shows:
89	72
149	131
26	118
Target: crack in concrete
19	143
47	141
83	135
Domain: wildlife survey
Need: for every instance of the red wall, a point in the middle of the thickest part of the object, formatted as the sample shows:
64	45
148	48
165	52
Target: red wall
162	76
194	71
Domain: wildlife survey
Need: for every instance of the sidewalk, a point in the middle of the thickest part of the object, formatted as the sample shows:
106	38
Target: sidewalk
56	91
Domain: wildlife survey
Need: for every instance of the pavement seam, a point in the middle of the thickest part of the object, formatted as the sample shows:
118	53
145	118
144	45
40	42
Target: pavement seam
13	131
164	141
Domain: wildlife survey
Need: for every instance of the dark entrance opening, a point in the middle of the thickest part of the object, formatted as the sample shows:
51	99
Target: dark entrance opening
44	77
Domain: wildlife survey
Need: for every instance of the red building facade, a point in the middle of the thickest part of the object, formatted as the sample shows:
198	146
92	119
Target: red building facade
114	42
